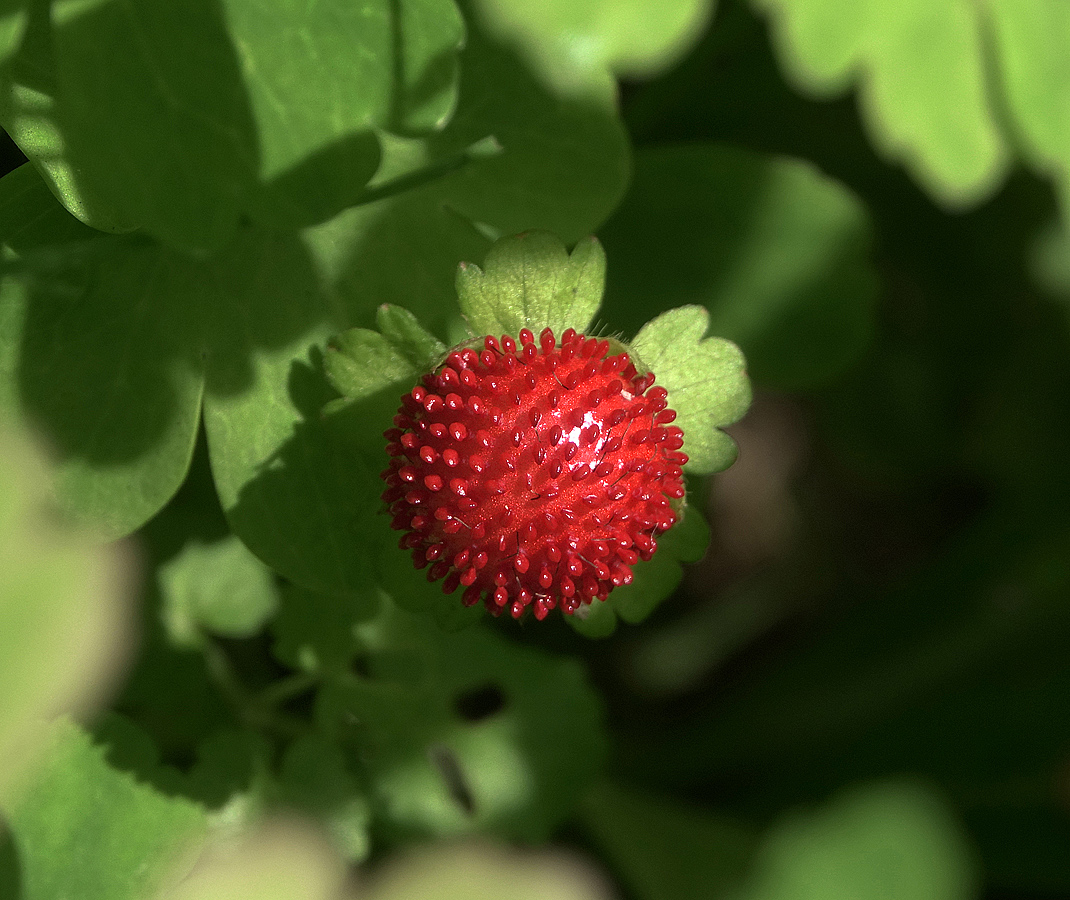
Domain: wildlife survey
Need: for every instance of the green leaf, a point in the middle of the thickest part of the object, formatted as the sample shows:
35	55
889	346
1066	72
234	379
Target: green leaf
32	116
706	381
386	64
316	632
1030	38
301	489
173	91
664	849
921	70
99	349
563	167
531	281
231	767
33	220
12	23
62	606
426	40
571	43
890	840
777	252
565	161
220	588
81	829
404	330
361	362
464	732
316	74
314	778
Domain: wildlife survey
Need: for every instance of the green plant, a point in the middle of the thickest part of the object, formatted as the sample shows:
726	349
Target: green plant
234	235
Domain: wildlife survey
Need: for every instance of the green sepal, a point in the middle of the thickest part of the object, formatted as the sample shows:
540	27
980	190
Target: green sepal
360	362
706	379
653	580
531	281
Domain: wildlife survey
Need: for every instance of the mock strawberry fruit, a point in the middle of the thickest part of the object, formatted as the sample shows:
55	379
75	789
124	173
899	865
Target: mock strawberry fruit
534	475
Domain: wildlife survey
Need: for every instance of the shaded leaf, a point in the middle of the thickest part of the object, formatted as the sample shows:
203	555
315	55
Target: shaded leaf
316	632
892	840
32	115
12	23
173	91
665	849
464	732
99	349
321	78
778	253
314	778
562	168
220	588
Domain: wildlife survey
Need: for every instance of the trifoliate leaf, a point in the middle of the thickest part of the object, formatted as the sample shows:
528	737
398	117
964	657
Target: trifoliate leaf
466	732
706	380
84	830
219	587
360	361
531	281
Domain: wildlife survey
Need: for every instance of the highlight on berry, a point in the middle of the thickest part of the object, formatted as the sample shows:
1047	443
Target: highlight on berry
534	474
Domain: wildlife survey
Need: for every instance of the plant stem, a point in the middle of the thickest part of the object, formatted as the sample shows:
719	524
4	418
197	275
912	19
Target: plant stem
487	148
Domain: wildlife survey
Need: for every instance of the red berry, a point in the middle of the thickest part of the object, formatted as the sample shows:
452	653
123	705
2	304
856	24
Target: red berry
534	475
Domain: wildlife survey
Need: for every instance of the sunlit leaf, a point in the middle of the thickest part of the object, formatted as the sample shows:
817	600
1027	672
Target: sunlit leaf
571	43
921	73
777	252
531	281
84	830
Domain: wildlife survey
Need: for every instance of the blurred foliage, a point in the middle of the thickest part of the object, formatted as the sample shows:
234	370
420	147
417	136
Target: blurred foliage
861	689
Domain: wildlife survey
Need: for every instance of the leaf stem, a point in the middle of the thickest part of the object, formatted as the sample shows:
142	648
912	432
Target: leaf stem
486	148
257	710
